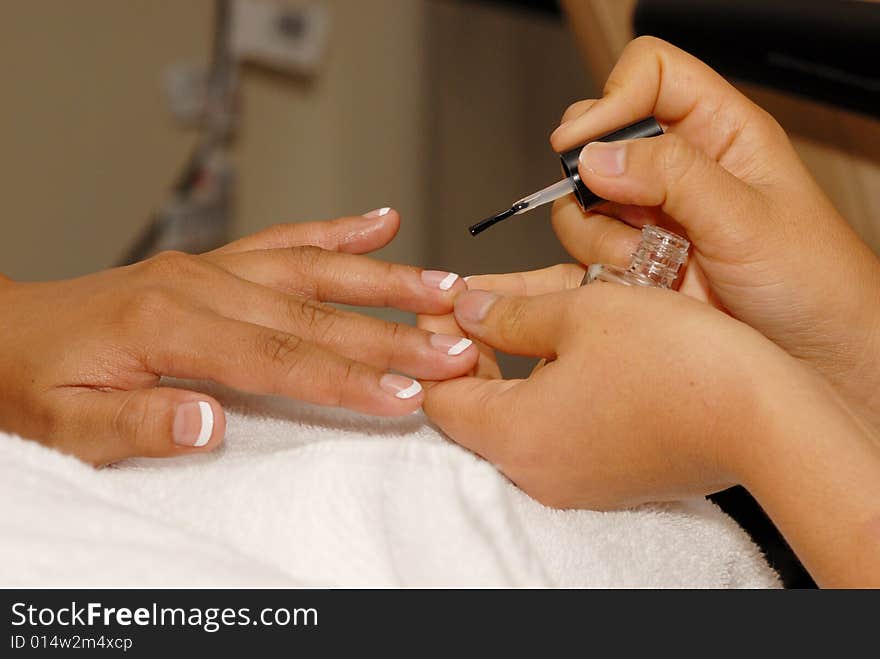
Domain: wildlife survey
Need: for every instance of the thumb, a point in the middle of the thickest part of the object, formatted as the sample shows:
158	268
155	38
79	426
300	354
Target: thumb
718	210
517	325
104	427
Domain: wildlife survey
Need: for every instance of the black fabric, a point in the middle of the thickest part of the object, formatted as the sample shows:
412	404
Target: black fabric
826	50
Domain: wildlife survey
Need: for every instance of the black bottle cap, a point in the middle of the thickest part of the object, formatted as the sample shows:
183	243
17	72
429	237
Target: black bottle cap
585	197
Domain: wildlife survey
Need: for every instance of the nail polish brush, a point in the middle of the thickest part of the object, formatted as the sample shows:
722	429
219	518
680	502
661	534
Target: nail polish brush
572	183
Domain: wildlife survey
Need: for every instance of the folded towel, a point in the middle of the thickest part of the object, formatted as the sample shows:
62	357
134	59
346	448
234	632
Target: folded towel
302	495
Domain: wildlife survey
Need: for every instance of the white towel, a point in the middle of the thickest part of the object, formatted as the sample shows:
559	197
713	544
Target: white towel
302	495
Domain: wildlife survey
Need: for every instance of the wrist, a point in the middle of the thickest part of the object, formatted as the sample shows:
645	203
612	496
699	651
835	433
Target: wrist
791	400
852	358
791	404
813	465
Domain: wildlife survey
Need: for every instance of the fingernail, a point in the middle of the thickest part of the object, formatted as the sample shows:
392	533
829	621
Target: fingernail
379	212
439	279
604	158
400	386
473	306
451	345
193	424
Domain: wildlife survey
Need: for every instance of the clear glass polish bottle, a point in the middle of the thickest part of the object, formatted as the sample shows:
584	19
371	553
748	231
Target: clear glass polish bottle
656	261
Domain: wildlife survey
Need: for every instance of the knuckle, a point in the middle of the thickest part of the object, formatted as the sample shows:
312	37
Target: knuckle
677	158
315	319
283	351
645	44
568	274
395	333
306	261
348	380
308	257
512	318
133	417
170	264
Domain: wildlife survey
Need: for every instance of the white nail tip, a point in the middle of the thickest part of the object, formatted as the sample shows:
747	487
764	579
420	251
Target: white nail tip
207	424
459	347
448	281
410	391
384	211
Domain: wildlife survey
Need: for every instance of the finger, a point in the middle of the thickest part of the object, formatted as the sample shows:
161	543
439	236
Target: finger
439	324
193	282
717	210
593	237
653	77
535	282
577	109
379	343
264	361
329	276
530	326
357	234
104	427
636	216
487	362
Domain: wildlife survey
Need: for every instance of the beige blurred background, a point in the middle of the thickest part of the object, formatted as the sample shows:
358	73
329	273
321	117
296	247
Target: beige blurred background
438	108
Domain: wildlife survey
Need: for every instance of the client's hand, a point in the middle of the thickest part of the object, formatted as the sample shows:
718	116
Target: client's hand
81	359
769	247
649	395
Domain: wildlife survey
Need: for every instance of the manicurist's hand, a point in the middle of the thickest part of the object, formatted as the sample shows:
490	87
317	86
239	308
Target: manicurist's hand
636	402
82	359
649	395
769	247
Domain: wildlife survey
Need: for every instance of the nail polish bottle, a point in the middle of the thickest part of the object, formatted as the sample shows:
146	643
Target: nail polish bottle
656	261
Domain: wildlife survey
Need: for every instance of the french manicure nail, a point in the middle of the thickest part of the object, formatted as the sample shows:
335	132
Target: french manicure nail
473	306
604	158
379	212
451	345
439	279
400	386
193	424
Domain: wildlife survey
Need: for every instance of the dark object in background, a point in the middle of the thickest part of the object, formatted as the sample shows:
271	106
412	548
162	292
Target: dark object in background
739	504
826	50
545	6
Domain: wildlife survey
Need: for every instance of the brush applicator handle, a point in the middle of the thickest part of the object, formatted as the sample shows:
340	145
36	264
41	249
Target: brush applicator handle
585	197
